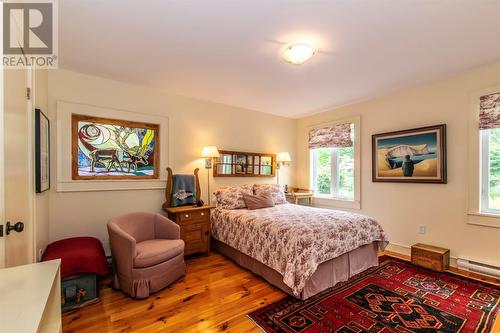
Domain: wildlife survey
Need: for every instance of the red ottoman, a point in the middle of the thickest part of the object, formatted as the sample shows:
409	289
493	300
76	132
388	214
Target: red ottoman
82	258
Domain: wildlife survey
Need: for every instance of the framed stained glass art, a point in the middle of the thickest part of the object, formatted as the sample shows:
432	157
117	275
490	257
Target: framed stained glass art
104	149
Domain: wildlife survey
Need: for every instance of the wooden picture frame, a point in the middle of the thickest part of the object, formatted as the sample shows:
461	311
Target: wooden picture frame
122	160
244	164
42	152
416	155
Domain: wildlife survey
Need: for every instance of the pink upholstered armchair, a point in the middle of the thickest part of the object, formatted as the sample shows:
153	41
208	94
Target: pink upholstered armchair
148	253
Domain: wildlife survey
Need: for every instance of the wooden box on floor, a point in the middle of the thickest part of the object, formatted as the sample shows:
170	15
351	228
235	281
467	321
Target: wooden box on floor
432	257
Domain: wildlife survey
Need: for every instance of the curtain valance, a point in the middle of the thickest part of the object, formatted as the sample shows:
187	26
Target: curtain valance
337	136
489	111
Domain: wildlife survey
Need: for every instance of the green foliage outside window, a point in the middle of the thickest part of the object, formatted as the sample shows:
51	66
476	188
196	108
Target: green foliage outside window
345	167
346	172
324	171
494	169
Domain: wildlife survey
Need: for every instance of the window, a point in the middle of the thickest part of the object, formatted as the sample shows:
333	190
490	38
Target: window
484	159
334	163
490	171
333	172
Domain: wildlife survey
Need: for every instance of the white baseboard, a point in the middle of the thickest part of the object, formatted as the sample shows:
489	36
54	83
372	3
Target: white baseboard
399	248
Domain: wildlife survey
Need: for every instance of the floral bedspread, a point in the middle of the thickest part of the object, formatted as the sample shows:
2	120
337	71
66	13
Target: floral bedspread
294	239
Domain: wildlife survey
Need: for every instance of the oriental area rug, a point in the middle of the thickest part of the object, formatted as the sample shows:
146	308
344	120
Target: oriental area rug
393	297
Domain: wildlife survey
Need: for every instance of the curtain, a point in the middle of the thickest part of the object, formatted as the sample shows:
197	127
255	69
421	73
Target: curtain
338	136
489	111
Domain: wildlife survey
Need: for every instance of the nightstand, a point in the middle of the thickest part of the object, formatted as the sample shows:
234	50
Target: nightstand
195	226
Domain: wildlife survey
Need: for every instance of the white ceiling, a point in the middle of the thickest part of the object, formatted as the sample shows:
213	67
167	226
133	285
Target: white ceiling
228	51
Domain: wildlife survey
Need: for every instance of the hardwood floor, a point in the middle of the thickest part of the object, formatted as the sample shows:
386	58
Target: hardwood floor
215	296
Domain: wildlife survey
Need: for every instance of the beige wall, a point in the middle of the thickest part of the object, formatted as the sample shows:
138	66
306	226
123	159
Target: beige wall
41	205
401	207
193	124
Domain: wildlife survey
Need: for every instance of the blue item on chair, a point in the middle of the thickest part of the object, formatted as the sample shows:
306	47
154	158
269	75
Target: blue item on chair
183	190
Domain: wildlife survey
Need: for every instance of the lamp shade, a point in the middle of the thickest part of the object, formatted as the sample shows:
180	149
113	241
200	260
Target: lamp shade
283	157
210	151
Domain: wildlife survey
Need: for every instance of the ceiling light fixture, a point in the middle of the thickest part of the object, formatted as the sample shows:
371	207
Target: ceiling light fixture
297	53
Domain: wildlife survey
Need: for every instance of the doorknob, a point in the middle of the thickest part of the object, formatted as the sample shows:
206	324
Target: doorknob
18	227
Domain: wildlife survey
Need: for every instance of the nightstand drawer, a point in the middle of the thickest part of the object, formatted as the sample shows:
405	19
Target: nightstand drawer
194	216
193	233
196	237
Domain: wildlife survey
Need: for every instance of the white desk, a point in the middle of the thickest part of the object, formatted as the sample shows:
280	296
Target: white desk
30	298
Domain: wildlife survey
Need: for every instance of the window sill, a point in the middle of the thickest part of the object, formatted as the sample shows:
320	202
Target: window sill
483	219
325	202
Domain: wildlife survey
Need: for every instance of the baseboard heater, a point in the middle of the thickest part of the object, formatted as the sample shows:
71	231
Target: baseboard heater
477	267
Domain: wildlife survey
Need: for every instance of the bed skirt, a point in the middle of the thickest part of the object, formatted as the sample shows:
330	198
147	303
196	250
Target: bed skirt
327	274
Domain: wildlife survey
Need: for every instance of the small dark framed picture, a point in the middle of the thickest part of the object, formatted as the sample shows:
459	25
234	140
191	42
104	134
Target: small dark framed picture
415	155
42	152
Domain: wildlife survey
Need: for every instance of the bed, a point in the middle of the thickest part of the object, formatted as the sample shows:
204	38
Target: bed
301	250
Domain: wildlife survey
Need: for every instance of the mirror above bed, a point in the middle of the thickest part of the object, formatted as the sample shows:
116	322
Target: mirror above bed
244	164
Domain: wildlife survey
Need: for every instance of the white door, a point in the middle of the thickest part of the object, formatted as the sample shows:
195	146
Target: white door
16	160
16	245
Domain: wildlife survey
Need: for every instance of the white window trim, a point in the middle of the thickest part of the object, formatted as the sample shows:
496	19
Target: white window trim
328	202
475	214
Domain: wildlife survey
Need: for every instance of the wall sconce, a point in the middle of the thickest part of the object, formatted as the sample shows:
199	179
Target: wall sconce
282	159
209	153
